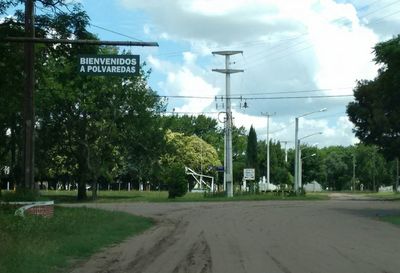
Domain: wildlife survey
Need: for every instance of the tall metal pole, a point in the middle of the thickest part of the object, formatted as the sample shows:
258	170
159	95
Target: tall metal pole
354	172
285	150
296	146
228	171
28	110
296	156
268	165
268	115
300	167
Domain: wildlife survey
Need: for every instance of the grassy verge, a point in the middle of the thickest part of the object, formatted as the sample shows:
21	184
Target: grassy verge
390	196
162	196
392	219
36	244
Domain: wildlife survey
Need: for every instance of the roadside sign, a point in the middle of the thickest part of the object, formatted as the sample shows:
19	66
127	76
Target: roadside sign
219	168
111	65
249	174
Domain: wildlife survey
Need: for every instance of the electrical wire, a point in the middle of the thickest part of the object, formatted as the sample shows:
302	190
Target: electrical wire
254	98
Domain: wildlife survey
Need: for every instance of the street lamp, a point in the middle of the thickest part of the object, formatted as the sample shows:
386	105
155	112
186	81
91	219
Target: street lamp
300	162
297	153
301	167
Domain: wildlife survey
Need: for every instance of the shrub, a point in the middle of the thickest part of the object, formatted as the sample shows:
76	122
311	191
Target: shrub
175	177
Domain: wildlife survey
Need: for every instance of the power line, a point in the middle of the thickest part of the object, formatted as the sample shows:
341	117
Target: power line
115	32
298	97
185	113
381	8
267	57
299	91
255	98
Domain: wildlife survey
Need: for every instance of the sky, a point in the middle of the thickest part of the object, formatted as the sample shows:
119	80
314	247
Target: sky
292	48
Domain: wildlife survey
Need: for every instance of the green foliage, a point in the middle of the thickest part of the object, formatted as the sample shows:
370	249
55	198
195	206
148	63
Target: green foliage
375	111
37	244
372	170
312	166
338	169
204	127
279	173
174	175
88	128
251	150
394	219
190	151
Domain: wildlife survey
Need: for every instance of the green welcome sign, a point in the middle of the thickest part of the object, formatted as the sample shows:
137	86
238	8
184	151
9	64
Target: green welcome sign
111	65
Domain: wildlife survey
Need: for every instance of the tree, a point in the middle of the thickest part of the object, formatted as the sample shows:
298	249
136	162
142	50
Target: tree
371	168
312	165
186	151
375	111
251	150
48	24
202	126
190	151
338	162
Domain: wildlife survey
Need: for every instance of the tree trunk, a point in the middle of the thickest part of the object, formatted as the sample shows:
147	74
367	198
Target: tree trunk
94	189
82	177
82	191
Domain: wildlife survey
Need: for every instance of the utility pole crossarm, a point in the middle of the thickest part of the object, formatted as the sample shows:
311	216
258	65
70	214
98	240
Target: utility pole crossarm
227	52
228	71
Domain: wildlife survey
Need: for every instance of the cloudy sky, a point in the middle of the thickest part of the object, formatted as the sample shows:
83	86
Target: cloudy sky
292	48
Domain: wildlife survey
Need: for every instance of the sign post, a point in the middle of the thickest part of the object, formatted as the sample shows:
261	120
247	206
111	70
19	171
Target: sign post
249	174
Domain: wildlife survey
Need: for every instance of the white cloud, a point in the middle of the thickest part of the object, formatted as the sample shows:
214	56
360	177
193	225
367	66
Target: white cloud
288	46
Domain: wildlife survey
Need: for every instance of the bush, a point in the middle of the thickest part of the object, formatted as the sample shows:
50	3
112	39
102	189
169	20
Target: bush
175	177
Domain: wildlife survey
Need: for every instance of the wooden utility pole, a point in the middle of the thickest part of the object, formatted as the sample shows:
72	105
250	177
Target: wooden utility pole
28	108
28	97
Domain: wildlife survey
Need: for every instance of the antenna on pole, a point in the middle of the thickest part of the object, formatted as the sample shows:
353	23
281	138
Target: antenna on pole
228	170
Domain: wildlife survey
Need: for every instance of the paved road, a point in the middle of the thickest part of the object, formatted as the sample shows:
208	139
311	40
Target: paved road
272	236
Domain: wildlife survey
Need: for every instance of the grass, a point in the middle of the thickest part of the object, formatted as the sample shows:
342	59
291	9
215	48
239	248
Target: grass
162	196
36	244
389	196
392	219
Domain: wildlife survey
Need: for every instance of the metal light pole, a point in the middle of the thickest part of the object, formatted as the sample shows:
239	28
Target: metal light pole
296	157
228	170
268	115
300	166
354	172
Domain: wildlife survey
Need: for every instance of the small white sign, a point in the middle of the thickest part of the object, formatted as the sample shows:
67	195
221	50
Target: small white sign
249	174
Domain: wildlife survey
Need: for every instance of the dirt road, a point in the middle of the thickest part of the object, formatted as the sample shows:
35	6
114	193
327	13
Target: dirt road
273	236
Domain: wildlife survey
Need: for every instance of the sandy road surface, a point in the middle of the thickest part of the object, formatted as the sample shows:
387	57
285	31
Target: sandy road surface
272	236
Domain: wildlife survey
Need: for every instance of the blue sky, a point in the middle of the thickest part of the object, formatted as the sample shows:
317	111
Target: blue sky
301	48
290	48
